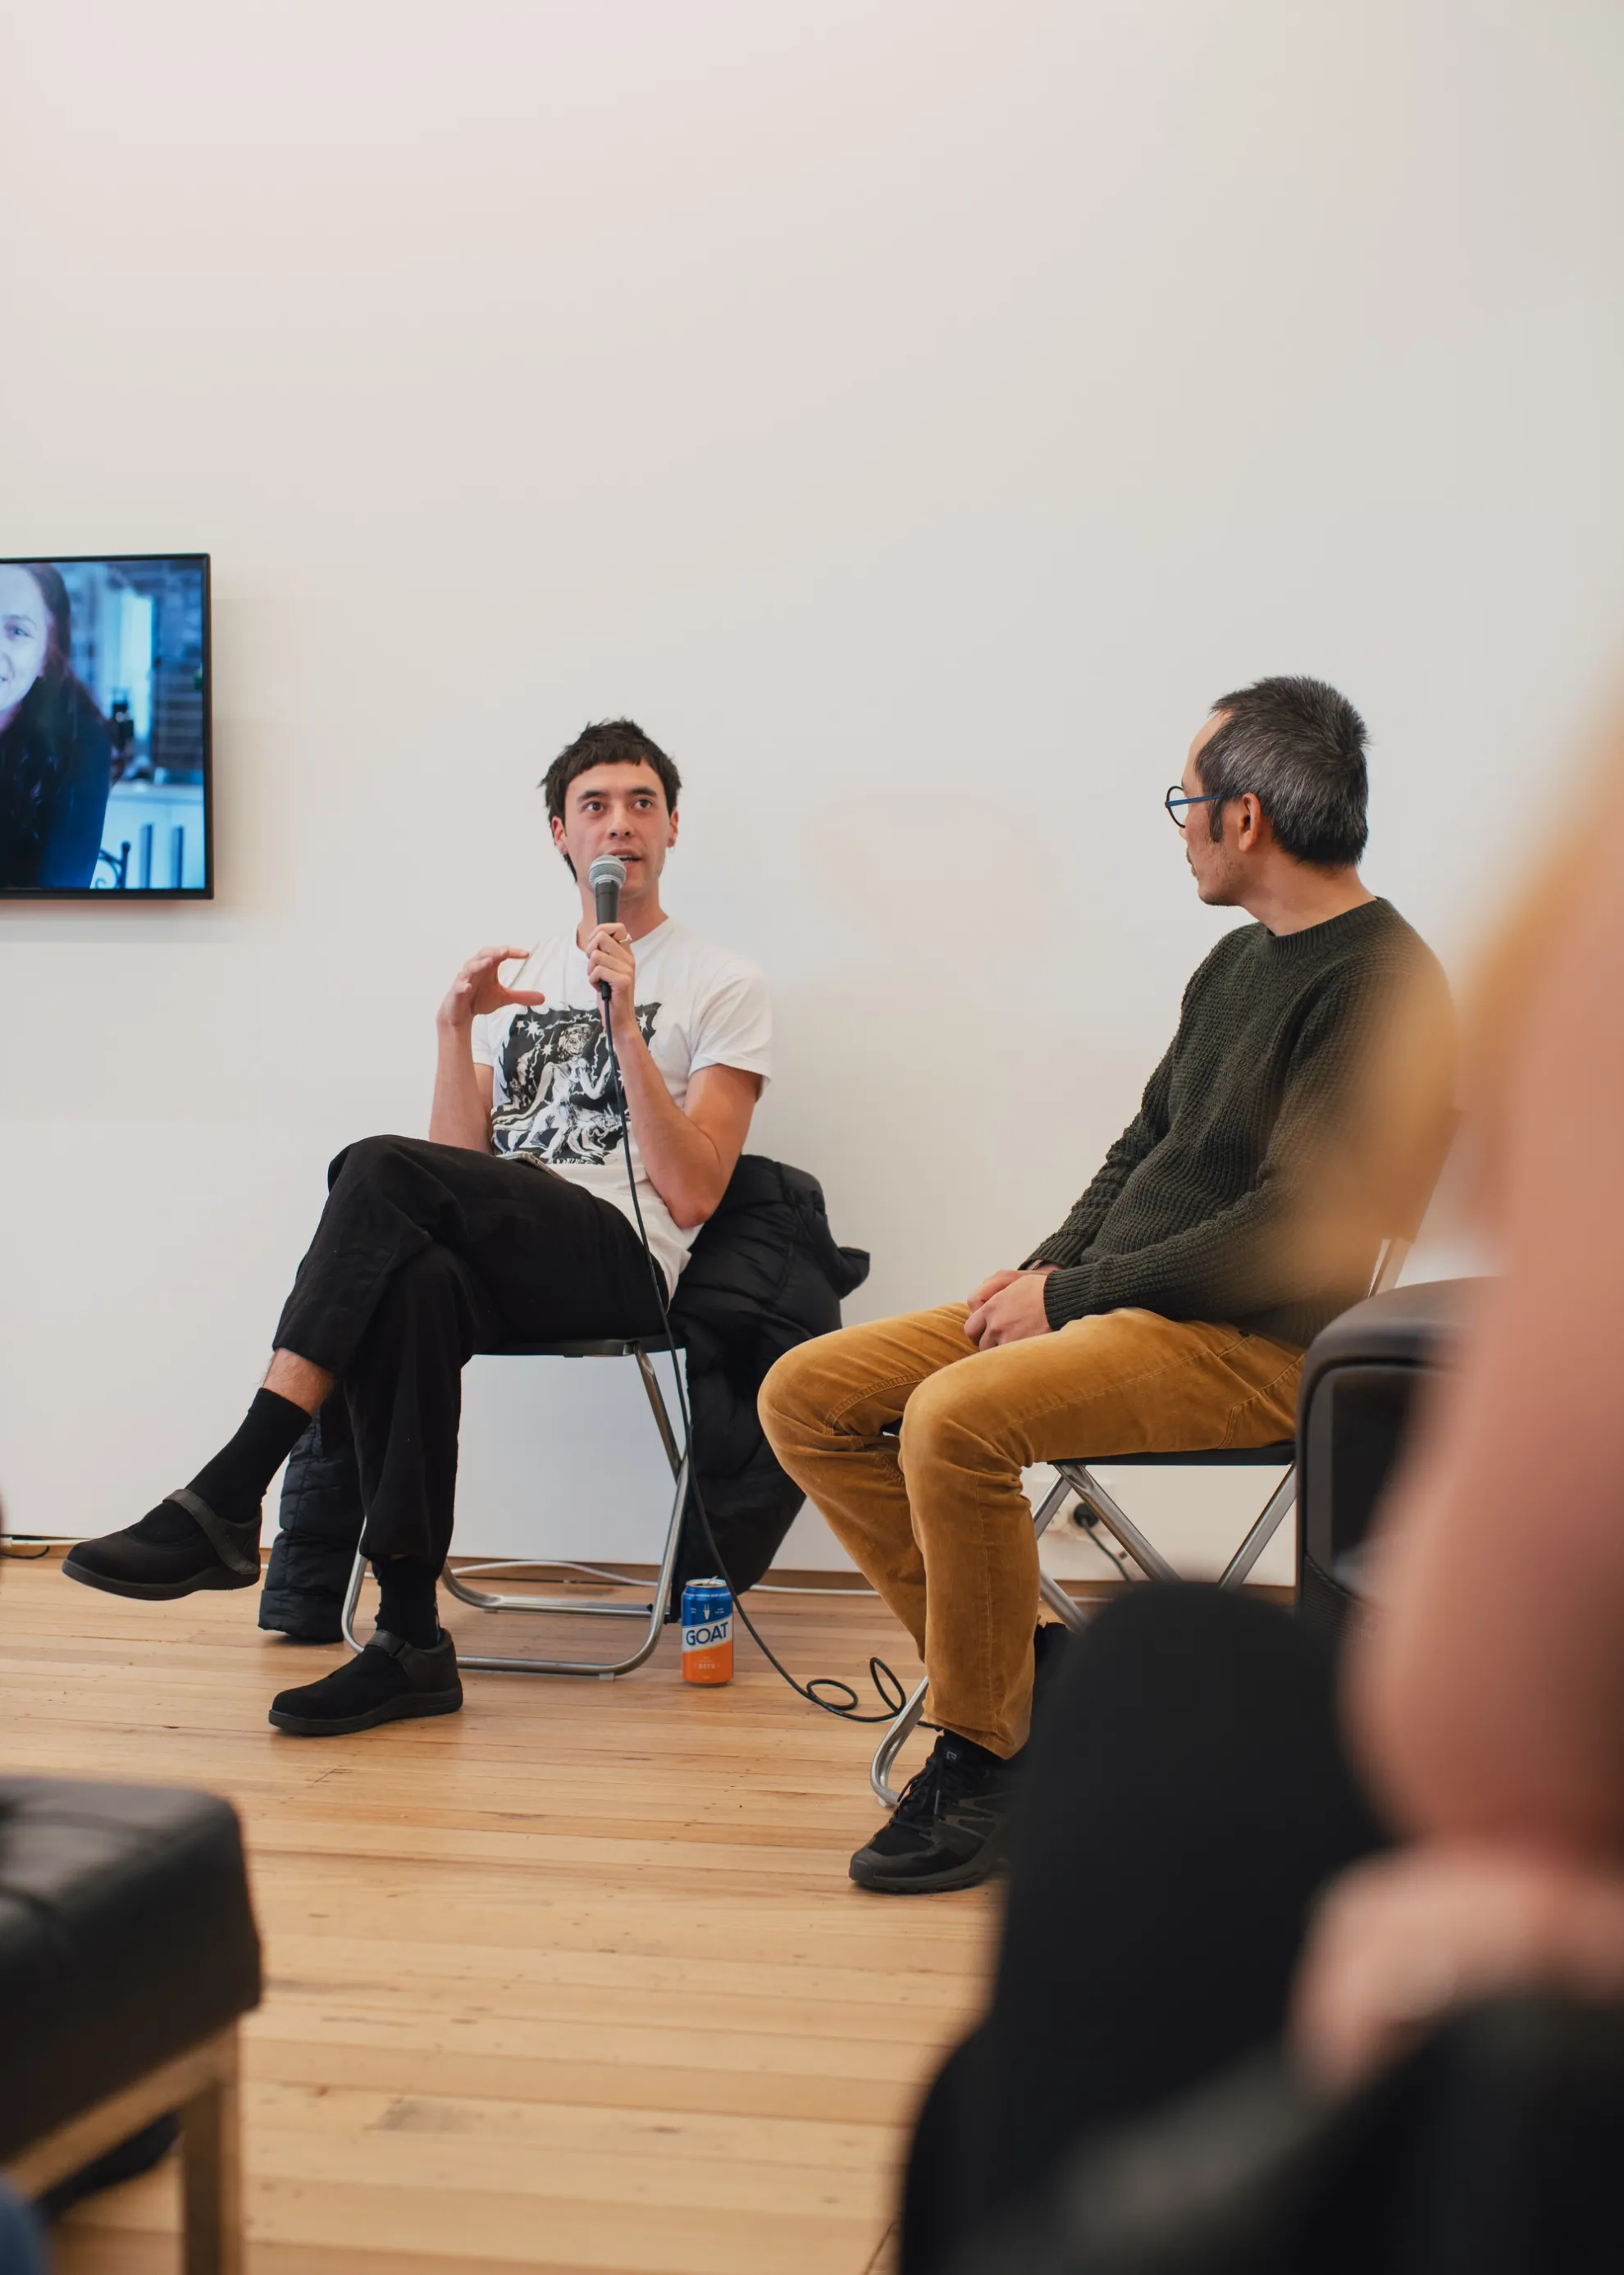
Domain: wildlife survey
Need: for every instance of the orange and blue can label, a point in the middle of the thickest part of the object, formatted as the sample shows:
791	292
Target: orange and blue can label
708	1631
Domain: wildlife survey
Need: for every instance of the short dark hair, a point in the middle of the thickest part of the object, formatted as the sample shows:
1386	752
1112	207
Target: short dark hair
1299	747
608	743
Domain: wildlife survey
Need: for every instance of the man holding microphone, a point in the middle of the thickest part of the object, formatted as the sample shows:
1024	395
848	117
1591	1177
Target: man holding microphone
511	1222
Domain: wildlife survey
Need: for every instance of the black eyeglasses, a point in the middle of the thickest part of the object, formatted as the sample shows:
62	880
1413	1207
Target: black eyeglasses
1175	801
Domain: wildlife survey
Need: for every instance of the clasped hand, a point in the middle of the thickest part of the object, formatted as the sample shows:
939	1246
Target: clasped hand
1008	1308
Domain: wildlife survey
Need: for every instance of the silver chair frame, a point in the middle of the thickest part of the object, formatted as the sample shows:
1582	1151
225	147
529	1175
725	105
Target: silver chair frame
1100	1509
652	1613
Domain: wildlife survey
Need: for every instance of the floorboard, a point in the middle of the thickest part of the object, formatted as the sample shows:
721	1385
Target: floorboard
574	1980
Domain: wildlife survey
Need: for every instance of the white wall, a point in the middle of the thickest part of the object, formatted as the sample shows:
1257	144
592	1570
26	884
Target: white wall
914	415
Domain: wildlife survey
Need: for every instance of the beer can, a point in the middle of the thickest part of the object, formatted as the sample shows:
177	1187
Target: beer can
708	1631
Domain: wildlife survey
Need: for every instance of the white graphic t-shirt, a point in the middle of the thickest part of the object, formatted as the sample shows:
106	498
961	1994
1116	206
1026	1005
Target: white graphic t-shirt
698	1005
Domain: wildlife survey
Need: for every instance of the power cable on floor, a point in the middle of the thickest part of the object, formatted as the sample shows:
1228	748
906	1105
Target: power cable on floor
886	1684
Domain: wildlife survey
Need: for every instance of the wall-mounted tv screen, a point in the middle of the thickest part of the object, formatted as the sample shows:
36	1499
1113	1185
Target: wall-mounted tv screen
104	727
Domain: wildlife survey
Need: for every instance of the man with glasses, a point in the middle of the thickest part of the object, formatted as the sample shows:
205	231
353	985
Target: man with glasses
1292	1125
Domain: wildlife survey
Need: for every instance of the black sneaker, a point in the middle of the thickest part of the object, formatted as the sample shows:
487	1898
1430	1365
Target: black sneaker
164	1555
947	1829
388	1681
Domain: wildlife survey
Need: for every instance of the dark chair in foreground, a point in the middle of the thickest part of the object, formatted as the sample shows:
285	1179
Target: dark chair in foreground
1486	2151
1361	1379
128	1953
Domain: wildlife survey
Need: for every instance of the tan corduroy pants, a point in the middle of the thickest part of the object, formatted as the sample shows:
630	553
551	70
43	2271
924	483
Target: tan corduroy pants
936	1519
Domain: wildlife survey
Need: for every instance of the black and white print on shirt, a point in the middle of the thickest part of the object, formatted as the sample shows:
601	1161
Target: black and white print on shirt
556	1100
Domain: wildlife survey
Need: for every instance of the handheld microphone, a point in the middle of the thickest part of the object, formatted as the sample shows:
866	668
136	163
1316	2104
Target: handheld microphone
606	877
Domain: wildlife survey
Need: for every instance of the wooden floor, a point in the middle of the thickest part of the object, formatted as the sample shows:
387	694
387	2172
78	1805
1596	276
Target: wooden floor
572	1980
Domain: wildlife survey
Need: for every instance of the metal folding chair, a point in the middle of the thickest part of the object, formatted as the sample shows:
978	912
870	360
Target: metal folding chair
652	1613
1101	1510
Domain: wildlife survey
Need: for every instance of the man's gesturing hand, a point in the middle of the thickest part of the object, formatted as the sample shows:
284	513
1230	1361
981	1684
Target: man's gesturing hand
1008	1308
478	989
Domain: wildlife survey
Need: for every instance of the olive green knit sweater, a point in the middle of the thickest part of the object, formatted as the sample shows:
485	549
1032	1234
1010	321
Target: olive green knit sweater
1199	1210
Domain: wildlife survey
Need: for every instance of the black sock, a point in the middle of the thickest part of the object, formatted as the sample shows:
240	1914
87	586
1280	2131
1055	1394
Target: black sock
981	1759
406	1603
978	1757
233	1484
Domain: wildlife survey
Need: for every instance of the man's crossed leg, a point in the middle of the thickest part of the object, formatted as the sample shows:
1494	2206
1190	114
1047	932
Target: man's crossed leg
936	1518
424	1255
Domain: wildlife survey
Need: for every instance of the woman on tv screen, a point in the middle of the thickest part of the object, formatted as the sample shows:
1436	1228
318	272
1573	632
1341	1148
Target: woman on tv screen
56	753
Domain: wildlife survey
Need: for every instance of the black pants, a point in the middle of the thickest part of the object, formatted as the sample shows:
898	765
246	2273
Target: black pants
426	1254
1187	1793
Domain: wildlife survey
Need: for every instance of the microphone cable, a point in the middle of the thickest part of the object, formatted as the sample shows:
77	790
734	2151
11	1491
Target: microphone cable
887	1683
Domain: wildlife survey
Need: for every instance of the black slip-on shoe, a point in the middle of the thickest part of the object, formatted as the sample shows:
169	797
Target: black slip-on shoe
388	1681
213	1554
947	1829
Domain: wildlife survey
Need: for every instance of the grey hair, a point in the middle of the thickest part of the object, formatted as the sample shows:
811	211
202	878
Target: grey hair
1298	746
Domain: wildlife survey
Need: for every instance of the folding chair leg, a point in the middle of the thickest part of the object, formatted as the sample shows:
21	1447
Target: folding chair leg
1060	1603
485	1599
1049	1507
1054	1595
490	1600
1076	1477
1275	1510
1115	1520
658	1408
896	1738
352	1597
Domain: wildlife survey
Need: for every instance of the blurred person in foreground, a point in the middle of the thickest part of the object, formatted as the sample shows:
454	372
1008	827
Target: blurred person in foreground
1223	1843
1296	1122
